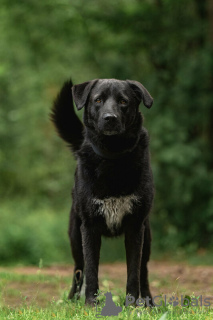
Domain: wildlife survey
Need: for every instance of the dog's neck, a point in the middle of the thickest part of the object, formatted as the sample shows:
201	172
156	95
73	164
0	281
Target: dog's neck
106	154
117	146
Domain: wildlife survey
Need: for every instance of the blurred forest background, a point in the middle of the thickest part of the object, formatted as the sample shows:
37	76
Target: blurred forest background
165	44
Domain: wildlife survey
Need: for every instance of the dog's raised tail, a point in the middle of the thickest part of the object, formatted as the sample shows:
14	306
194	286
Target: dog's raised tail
63	115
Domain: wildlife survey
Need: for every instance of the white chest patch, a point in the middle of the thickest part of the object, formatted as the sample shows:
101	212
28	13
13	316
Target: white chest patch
114	209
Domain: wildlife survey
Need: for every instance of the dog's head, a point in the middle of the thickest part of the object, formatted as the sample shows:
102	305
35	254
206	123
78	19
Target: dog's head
111	106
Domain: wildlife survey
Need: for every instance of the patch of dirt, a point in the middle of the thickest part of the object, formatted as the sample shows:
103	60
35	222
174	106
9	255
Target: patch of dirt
165	278
29	293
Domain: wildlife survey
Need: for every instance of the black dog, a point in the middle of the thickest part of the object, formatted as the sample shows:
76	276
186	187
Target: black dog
113	190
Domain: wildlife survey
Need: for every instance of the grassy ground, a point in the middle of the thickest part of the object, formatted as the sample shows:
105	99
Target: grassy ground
40	293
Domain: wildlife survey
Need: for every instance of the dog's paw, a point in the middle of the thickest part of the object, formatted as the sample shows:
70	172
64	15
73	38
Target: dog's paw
90	302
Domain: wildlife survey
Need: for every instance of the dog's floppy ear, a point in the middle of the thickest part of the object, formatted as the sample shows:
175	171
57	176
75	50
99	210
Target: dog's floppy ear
81	92
141	93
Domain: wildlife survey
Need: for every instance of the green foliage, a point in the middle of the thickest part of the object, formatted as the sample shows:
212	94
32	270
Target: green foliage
35	234
164	44
29	234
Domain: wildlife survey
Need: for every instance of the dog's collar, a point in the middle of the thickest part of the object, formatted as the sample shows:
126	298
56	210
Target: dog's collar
107	154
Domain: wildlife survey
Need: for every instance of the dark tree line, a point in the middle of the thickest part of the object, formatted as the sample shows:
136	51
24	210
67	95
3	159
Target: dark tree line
165	44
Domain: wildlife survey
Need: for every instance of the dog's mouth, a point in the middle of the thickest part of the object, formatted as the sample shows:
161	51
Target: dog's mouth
110	133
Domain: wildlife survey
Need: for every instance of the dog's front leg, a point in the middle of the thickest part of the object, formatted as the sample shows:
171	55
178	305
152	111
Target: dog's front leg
133	244
91	241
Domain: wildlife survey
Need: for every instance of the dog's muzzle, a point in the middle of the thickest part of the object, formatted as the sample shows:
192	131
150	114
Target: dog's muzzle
109	124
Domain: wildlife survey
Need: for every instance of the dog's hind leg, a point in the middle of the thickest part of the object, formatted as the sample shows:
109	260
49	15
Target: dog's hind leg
144	282
77	252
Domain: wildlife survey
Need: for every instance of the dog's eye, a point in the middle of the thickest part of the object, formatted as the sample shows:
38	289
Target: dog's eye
123	102
98	100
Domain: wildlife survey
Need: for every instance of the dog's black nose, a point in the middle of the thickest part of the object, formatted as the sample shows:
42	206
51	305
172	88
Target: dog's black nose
109	116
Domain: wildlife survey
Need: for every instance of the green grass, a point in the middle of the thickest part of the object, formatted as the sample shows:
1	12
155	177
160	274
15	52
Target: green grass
41	296
70	310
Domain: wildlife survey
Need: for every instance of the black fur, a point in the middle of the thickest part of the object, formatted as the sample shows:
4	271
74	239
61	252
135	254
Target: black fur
63	115
113	162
